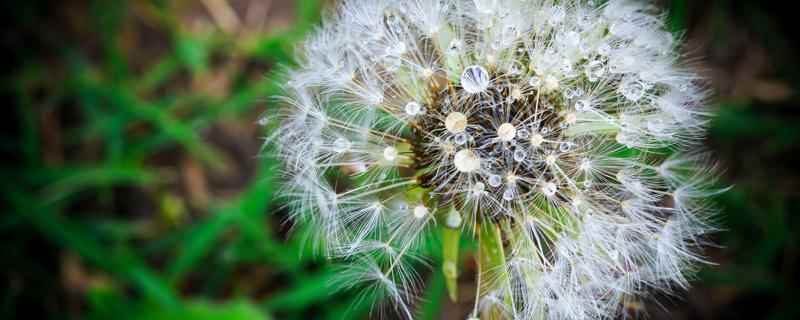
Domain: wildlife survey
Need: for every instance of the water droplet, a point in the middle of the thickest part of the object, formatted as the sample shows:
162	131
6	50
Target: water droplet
508	194
402	206
585	165
263	121
519	155
390	153
453	219
549	189
595	70
632	89
515	68
461	138
550	160
341	145
535	81
536	140
466	161
413	108
565	146
420	211
495	180
455	46
455	122
545	130
582	105
523	133
475	79
506	132
478	188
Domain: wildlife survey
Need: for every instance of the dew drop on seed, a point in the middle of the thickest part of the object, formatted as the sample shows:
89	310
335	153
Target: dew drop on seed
402	206
550	159
460	139
455	46
466	161
536	140
585	165
506	132
495	180
519	155
535	81
455	122
582	105
453	219
263	121
413	108
569	93
478	188
515	68
508	194
427	73
523	133
475	79
632	89
420	211
341	145
549	189
564	146
595	70
390	153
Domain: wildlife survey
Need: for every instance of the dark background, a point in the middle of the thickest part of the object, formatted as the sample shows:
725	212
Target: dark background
132	185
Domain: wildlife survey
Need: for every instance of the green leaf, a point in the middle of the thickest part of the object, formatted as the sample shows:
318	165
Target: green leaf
204	310
192	52
450	245
492	262
309	290
434	293
123	263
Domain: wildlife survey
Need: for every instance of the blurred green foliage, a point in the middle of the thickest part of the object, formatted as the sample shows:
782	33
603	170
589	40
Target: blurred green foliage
101	222
114	113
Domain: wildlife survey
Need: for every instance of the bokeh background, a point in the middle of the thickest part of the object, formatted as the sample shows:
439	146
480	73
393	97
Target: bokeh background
134	184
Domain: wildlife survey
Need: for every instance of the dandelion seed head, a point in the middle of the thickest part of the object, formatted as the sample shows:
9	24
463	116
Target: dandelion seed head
548	119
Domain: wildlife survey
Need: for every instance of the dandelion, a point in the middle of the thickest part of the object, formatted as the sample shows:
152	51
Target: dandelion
559	135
